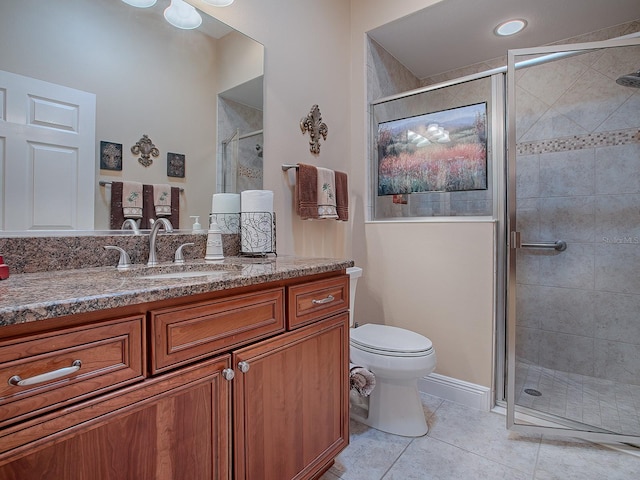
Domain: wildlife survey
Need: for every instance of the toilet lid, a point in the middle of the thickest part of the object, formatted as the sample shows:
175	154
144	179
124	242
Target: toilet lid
385	339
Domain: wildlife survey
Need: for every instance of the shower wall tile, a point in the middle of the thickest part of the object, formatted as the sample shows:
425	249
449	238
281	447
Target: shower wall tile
569	353
625	117
529	109
617	169
528	344
591	100
528	300
618	219
571	219
617	360
528	176
617	317
552	124
573	268
567	310
616	268
567	173
550	81
528	219
528	272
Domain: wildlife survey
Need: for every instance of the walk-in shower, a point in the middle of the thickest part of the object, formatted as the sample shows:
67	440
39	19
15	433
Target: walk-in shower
242	161
574	313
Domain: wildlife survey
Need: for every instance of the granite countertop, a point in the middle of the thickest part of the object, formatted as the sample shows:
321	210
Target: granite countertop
29	297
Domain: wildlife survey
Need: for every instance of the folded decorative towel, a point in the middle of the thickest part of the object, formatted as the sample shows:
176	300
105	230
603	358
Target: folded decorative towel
342	196
162	199
326	193
306	191
132	199
361	380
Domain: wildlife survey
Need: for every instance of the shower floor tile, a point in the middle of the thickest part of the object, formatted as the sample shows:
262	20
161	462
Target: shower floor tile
594	401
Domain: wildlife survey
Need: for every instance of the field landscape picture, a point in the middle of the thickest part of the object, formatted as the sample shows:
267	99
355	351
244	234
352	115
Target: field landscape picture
444	151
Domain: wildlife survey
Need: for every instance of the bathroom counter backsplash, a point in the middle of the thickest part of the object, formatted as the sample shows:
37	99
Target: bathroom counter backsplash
36	296
42	253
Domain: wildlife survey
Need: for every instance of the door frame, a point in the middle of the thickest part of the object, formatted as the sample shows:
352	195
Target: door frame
545	424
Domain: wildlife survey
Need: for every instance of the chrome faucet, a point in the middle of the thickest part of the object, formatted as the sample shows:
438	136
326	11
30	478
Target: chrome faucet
131	223
152	238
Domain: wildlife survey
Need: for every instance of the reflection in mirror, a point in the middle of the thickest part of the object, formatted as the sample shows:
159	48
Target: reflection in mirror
189	90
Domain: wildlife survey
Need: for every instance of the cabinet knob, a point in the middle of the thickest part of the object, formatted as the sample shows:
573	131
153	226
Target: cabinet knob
243	366
228	374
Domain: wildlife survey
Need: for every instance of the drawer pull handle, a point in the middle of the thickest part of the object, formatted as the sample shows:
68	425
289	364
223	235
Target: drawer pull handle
228	374
330	298
45	377
243	366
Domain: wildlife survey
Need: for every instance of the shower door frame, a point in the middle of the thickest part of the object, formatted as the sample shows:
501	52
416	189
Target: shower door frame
552	424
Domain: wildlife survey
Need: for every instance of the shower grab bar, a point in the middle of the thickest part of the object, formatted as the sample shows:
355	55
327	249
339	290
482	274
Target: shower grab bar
558	245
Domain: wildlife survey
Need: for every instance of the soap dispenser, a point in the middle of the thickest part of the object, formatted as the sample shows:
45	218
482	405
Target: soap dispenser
197	228
214	242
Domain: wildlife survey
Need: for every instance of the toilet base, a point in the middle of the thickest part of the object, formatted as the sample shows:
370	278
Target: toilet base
394	407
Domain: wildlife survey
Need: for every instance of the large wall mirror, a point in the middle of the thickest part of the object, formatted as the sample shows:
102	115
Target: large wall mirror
194	93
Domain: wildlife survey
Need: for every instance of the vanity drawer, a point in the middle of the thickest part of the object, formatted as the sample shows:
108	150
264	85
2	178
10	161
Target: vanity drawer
57	368
199	330
312	301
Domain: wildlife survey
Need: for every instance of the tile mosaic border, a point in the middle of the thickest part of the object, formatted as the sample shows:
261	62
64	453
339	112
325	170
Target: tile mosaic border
580	142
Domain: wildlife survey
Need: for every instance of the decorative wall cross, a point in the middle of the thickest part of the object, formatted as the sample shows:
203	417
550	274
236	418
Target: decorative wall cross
146	149
312	123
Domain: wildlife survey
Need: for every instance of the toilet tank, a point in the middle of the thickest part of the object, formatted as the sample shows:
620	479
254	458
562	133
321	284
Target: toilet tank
354	273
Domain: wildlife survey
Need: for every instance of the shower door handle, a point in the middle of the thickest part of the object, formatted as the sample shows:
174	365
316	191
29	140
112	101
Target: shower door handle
558	245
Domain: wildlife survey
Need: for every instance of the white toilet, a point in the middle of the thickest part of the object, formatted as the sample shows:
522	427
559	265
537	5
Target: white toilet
398	358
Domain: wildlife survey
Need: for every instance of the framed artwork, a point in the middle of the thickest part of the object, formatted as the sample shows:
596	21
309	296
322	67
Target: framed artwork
444	151
110	156
175	165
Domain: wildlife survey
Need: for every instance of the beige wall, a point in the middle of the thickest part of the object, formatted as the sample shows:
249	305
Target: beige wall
436	279
306	63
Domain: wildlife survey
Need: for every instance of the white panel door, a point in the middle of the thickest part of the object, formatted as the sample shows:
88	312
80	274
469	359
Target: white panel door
48	160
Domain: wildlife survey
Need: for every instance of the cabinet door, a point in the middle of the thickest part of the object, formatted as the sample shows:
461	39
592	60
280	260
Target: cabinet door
291	414
173	427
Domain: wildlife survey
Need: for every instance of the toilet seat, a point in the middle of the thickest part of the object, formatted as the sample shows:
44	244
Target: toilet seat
390	341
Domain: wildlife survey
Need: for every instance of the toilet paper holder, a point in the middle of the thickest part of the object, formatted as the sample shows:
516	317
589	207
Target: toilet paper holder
257	234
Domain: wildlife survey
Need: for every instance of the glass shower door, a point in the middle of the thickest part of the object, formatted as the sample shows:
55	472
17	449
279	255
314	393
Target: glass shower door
573	295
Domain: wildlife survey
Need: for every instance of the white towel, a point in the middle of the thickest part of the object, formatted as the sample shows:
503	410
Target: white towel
361	380
326	193
162	199
132	199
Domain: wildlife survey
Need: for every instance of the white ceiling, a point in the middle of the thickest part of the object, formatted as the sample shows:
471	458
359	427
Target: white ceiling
456	33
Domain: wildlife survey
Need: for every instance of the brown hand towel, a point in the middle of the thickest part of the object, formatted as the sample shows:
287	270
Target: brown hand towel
307	191
116	217
149	211
342	196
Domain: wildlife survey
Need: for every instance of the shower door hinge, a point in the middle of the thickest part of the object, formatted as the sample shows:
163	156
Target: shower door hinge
516	242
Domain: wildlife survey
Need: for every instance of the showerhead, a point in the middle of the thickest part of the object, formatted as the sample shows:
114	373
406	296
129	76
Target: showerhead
630	80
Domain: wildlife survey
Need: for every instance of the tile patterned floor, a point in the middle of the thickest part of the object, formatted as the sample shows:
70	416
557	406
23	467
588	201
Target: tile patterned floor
603	403
464	443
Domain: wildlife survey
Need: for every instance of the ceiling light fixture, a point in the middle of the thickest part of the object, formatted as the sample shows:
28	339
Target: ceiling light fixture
510	27
182	15
219	3
140	3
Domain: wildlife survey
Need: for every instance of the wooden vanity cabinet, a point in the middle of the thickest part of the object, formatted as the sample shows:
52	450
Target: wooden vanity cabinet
290	398
284	415
172	427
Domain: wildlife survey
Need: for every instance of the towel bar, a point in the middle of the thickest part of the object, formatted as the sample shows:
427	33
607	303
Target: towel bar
287	167
104	183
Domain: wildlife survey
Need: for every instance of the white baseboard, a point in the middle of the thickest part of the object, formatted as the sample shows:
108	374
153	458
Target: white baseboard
458	391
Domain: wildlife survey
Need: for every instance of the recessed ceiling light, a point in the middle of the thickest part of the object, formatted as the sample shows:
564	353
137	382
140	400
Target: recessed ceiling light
510	27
